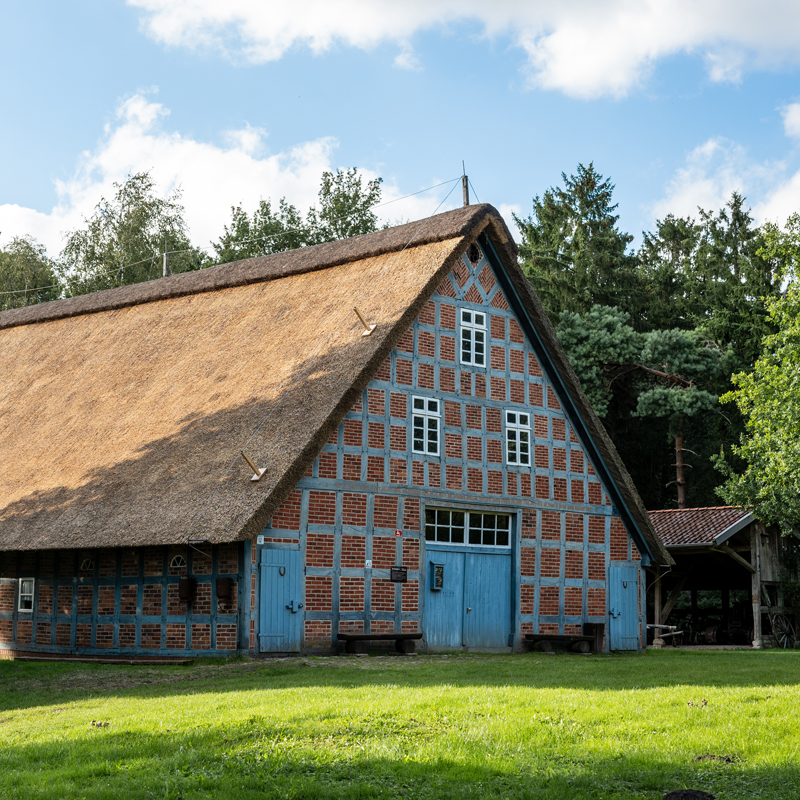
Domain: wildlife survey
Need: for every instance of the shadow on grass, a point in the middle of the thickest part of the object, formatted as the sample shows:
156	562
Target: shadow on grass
24	685
282	761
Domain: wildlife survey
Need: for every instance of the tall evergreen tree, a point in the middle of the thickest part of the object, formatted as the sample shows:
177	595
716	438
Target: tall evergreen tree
573	251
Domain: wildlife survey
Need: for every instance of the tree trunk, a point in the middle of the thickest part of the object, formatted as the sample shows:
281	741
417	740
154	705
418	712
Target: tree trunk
679	472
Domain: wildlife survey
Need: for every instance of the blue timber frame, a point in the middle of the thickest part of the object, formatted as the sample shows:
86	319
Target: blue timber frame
74	581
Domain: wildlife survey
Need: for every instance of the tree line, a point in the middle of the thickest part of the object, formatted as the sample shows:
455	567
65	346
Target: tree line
126	236
687	347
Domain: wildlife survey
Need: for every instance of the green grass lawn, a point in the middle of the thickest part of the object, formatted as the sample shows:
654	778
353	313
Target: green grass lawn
537	726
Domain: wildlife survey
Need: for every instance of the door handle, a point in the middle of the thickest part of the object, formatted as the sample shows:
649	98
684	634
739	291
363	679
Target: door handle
614	612
469	608
294	607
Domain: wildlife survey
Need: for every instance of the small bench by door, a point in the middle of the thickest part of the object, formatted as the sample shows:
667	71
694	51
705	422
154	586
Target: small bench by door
358	642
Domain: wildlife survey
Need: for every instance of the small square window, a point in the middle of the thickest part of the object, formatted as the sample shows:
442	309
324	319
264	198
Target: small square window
425	423
26	588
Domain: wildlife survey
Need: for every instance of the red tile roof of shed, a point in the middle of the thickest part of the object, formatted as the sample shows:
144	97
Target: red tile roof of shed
682	526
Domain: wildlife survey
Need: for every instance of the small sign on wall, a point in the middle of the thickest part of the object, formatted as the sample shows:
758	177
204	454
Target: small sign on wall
260	539
398	533
398	574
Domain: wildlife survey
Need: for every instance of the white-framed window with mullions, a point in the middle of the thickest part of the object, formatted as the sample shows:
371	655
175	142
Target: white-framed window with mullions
476	528
426	420
473	338
26	590
518	439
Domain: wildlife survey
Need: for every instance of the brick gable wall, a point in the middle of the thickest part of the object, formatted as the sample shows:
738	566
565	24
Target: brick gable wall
367	484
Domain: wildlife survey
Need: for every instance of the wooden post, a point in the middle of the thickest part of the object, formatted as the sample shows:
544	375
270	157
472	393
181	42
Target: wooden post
755	583
465	189
658	642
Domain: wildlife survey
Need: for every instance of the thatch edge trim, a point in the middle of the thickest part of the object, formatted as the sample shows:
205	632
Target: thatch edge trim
448	225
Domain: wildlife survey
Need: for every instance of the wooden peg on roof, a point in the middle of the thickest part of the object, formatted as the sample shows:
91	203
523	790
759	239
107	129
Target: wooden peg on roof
367	328
258	473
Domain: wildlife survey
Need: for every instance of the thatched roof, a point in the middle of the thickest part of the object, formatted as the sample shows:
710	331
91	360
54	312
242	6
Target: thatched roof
123	412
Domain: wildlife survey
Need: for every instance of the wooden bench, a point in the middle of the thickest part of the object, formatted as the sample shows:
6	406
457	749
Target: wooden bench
590	641
357	642
550	642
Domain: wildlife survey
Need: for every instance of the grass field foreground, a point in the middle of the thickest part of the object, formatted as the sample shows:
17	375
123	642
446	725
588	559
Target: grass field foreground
521	726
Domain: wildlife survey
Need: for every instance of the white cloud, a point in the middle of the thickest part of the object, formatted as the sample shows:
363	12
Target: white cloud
719	167
791	120
407	59
213	178
585	48
713	170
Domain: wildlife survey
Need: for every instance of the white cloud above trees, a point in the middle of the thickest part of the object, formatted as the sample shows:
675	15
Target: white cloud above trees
213	177
584	48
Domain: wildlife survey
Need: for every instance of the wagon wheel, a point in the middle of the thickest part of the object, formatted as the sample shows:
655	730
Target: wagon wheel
783	631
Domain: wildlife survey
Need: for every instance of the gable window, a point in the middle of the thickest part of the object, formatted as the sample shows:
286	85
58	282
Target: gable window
26	594
518	438
467	527
425	420
473	338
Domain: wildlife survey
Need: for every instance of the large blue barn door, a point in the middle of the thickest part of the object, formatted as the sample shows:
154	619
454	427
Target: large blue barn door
280	617
623	587
473	606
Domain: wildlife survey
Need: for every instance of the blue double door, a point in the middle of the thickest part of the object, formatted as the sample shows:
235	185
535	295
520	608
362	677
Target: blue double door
280	595
468	598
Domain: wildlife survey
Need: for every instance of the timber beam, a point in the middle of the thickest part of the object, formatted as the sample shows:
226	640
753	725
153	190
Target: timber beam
723	548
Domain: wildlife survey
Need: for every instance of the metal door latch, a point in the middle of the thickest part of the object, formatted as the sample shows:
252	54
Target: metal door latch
614	612
294	607
469	608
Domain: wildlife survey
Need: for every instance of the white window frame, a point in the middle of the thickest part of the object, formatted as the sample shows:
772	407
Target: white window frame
429	411
466	527
518	438
470	334
31	595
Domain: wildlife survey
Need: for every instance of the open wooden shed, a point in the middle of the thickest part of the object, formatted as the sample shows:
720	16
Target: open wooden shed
727	551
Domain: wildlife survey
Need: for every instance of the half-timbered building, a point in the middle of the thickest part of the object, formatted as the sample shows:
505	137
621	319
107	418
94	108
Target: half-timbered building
418	457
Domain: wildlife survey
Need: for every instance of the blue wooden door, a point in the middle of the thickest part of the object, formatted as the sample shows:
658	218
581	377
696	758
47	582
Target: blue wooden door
444	608
487	599
280	617
623	588
473	607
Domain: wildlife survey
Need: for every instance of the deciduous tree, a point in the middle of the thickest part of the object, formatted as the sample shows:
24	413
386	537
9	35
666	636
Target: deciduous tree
27	275
124	240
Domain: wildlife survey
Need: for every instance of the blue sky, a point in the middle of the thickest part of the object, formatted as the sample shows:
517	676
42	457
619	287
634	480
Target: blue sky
678	102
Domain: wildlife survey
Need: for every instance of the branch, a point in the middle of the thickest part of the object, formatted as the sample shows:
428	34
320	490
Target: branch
669	376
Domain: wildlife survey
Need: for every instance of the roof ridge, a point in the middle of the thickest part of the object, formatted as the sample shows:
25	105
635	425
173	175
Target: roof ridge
450	224
696	508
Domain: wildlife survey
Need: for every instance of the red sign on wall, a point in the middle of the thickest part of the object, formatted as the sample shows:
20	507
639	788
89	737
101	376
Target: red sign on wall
398	533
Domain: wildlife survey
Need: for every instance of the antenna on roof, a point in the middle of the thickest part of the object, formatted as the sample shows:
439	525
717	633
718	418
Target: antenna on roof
464	184
166	263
